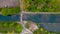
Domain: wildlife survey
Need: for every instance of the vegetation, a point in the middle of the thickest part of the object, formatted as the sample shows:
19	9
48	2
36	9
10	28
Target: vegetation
27	25
43	31
6	27
10	11
41	5
40	30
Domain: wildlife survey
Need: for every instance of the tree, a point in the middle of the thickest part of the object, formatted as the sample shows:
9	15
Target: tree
41	5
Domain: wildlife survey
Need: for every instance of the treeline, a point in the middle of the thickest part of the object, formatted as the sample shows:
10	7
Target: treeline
41	5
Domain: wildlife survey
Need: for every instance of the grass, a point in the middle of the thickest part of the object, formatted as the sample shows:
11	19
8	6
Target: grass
10	11
6	27
43	31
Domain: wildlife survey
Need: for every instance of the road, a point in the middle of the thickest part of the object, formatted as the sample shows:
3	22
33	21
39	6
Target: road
25	30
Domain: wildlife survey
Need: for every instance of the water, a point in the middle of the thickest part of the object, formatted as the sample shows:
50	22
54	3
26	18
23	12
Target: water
38	18
49	22
42	18
9	18
55	27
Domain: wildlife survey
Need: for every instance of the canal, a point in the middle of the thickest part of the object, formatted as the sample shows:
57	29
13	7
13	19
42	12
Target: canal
51	22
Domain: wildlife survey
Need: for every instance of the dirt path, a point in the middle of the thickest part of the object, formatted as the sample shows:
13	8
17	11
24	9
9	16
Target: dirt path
9	3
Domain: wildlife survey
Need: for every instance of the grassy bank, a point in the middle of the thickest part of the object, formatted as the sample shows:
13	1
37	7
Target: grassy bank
10	11
6	27
41	30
